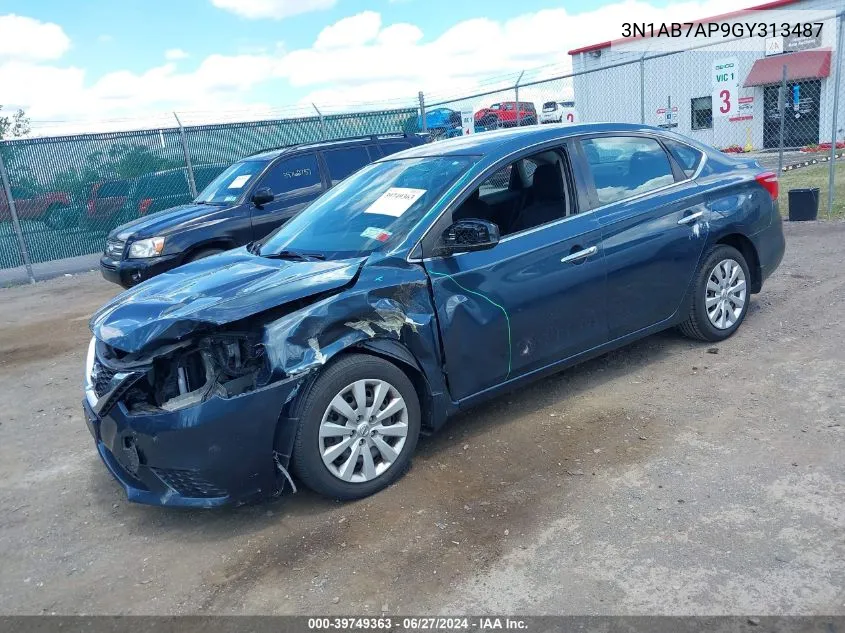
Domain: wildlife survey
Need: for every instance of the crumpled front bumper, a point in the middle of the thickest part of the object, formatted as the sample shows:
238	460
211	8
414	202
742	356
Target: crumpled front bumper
215	453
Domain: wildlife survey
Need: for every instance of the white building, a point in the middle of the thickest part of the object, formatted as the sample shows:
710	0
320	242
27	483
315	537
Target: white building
680	87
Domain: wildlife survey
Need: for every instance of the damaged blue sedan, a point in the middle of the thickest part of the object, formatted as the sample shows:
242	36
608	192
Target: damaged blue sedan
421	285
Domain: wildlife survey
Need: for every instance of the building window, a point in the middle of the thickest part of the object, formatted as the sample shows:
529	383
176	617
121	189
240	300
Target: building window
702	113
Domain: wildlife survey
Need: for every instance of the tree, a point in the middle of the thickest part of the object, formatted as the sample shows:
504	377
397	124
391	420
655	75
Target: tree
15	125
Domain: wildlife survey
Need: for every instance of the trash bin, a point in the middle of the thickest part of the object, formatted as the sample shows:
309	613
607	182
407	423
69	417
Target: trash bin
803	204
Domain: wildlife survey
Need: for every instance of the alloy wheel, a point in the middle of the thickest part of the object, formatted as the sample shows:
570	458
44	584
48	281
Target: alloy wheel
725	294
363	430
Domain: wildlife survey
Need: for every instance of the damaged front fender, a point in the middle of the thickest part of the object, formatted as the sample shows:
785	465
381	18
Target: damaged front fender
390	300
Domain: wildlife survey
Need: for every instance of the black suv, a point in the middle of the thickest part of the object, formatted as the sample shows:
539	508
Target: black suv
245	202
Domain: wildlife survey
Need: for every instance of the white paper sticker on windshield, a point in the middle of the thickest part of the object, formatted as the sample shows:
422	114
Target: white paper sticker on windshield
375	233
395	201
240	181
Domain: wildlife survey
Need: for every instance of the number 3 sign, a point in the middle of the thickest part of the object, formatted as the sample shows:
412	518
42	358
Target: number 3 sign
725	86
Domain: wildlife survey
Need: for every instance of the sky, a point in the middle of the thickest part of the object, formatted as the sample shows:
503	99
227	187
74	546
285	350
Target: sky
91	65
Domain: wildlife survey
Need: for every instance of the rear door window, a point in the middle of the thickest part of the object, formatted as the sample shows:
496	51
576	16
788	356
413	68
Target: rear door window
394	146
688	157
626	166
294	176
344	162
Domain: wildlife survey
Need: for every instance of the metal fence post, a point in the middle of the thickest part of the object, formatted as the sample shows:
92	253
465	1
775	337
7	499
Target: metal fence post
642	89
782	111
192	183
516	94
7	188
424	124
322	120
838	51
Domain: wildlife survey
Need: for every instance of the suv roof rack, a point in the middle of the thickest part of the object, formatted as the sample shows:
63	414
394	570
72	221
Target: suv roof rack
364	137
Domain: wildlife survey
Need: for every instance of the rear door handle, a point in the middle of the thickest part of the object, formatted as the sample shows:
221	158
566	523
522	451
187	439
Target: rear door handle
689	219
578	255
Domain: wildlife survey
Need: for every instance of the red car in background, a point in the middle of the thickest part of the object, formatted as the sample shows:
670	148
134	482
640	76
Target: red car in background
48	206
507	114
106	199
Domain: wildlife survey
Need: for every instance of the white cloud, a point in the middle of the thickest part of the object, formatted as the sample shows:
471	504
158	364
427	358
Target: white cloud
357	62
175	54
352	31
26	38
275	9
105	38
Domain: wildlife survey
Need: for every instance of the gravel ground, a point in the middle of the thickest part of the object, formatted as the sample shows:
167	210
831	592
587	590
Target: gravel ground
666	478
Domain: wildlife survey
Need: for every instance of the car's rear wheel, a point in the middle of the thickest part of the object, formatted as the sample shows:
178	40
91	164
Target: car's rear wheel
358	428
58	217
722	295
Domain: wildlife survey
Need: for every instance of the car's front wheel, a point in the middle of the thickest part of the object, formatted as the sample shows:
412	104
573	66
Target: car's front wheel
358	428
722	295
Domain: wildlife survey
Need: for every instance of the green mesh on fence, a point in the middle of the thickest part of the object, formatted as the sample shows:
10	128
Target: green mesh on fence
70	191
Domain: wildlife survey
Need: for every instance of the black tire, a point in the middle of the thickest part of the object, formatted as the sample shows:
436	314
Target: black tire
307	461
698	324
202	254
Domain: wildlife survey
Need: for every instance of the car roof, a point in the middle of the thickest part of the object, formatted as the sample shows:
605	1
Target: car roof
271	154
502	142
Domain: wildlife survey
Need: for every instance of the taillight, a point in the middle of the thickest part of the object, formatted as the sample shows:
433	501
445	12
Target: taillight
769	180
144	206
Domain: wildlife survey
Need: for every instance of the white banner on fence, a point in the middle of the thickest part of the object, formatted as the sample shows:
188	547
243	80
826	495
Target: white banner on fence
467	122
725	86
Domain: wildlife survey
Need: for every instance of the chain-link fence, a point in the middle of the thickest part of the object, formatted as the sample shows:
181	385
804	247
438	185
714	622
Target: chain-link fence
781	105
68	192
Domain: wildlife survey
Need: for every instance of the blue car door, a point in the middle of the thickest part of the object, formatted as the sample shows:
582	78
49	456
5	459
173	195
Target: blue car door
534	299
654	226
295	182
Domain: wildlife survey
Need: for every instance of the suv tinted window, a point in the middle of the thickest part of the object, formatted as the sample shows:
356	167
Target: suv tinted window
293	175
343	162
688	157
394	146
165	184
114	189
625	166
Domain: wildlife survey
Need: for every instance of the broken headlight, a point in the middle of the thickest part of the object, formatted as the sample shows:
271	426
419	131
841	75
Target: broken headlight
224	365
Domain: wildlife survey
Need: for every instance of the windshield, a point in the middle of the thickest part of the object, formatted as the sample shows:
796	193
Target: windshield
373	209
229	185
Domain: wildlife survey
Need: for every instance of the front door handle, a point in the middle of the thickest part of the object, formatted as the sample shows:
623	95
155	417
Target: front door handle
689	219
579	255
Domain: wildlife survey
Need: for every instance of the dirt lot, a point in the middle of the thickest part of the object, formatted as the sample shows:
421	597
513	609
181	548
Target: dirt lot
663	478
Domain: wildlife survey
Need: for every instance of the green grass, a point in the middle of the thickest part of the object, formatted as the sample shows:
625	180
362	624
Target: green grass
815	176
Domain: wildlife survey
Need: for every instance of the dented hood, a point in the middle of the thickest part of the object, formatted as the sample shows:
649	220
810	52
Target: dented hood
212	291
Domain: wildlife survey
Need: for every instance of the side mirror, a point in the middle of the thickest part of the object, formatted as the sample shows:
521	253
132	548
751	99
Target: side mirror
262	195
470	235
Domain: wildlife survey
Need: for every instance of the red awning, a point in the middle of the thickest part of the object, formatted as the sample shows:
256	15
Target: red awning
800	65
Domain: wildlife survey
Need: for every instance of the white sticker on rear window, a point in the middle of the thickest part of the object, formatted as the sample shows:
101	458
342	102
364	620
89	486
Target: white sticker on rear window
240	181
395	201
